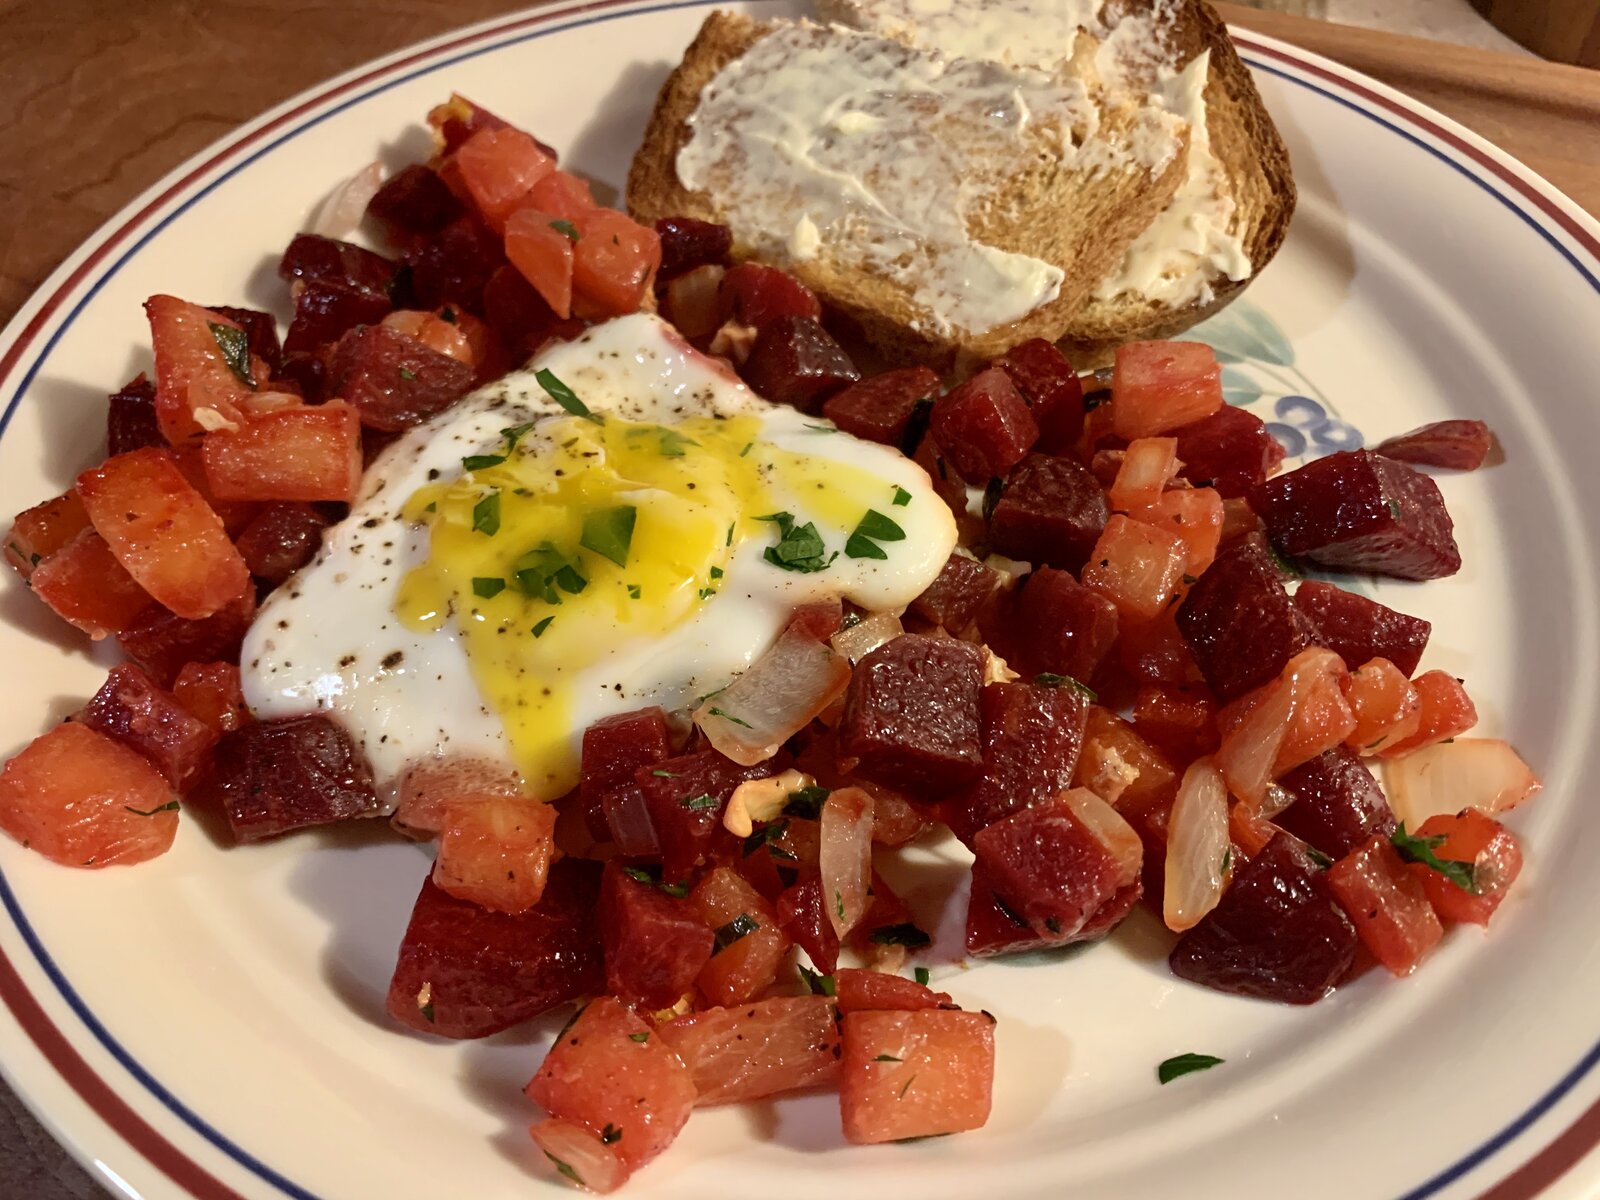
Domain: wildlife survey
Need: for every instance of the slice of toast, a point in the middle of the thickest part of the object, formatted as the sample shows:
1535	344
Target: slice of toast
1141	45
1070	204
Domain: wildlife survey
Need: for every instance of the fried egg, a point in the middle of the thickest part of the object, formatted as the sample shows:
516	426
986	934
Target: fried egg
620	524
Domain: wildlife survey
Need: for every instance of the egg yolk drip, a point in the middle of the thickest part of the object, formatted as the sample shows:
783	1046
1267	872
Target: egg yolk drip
556	548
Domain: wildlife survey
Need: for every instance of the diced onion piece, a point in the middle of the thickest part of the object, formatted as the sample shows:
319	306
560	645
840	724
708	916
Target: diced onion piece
1386	705
760	800
995	669
1251	746
866	635
340	214
1319	717
1105	771
1197	842
844	857
1110	830
1482	773
690	302
751	719
580	1155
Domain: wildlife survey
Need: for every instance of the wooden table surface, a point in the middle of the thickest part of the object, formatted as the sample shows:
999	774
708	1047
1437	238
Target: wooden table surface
102	99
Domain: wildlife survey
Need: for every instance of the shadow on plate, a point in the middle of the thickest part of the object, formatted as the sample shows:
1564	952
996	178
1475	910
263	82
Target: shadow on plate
605	148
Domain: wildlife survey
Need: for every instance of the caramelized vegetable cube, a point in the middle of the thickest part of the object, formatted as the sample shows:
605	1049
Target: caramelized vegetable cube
655	944
752	1051
1231	450
911	715
1459	445
202	367
273	777
132	709
131	422
212	693
748	948
279	540
1052	390
1388	906
614	749
614	261
952	600
414	203
1061	627
1487	847
882	407
1051	511
876	991
323	312
495	850
585	1158
294	454
795	361
756	295
1137	567
1359	629
453	266
685	796
40	531
1337	804
1157	387
1240	623
395	381
915	1074
803	916
162	642
687	243
983	426
85	584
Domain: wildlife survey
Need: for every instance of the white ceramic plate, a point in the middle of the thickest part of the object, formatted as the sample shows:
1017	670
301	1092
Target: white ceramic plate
211	1025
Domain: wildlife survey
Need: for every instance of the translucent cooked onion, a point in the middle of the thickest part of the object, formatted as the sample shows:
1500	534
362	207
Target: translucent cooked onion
1251	747
1197	844
1482	773
844	857
866	635
751	718
1110	830
341	213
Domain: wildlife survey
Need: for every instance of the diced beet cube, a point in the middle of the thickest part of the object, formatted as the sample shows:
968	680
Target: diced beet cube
911	715
752	294
1031	738
993	928
416	202
1231	451
306	371
277	776
281	539
803	917
520	316
675	795
1047	866
1061	627
314	258
1051	511
614	749
466	972
983	426
131	418
453	266
688	243
795	361
323	312
880	409
1239	622
1052	389
162	642
1277	933
952	600
1460	445
395	381
131	708
261	332
1359	511
655	944
1337	803
1359	630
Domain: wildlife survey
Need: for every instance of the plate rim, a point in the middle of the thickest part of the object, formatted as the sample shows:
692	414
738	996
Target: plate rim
61	297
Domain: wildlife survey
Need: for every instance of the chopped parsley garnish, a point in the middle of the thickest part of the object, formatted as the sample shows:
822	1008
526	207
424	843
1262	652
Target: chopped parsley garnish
1190	580
806	803
817	984
901	497
699	803
1183	1064
1421	850
1394	509
706	593
906	934
870	530
799	547
407	374
815	428
1318	857
169	806
715	573
907	1088
565	228
634	591
609	532
563	395
676	890
544	569
673	443
488	586
651	877
235	346
479	462
887	1058
659	774
770	836
566	1169
748	446
1051	679
1285	564
641	1038
727	716
515	433
740	926
922	975
542	625
447	314
729	540
838	903
1227	858
611	1133
486	514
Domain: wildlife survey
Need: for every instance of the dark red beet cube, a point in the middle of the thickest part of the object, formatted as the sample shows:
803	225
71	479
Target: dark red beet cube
260	330
314	258
131	708
516	312
277	776
803	917
755	295
1459	445
1359	511
1231	450
1051	511
1047	867
1061	626
983	426
453	266
1052	389
953	599
795	361
655	944
280	539
687	243
415	203
675	795
162	642
1239	622
1337	804
911	715
1359	630
1277	933
466	972
613	751
1031	738
994	928
394	381
880	409
131	418
324	311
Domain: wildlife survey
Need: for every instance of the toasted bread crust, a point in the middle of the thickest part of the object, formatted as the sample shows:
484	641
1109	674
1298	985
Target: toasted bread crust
1081	221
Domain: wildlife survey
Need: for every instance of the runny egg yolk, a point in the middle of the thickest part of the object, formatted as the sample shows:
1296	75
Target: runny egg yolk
562	544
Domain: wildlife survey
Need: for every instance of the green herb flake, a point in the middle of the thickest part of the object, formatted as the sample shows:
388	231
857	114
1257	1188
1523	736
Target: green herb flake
566	1169
676	890
1190	580
611	1134
887	1058
817	984
706	593
641	1038
806	803
869	531
727	716
673	443
907	935
447	314
1184	1064
427	1012
542	625
728	541
699	803
488	586
901	497
1421	850
481	462
609	532
545	572
1394	509
634	591
907	1087
659	774
1318	857
486	514
922	975
1227	859
815	428
563	395
639	875
565	228
169	806
235	346
715	573
799	547
748	446
1051	679
1285	564
741	926
407	374
838	903
515	433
